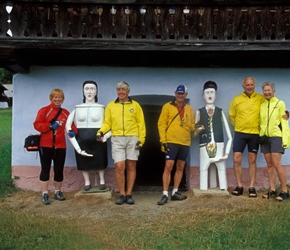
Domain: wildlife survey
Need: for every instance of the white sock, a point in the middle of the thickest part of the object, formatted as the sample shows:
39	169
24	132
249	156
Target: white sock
165	193
174	190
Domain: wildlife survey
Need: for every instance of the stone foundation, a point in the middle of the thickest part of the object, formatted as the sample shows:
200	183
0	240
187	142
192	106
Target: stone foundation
27	177
261	177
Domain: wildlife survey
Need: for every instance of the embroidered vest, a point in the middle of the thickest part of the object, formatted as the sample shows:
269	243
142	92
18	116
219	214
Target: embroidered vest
205	135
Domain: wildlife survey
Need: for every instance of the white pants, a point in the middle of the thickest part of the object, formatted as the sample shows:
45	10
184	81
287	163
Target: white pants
214	166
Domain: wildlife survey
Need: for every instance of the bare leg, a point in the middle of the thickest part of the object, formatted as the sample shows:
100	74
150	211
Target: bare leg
178	173
120	176
131	175
44	186
167	174
271	171
166	177
57	185
252	157
238	167
276	159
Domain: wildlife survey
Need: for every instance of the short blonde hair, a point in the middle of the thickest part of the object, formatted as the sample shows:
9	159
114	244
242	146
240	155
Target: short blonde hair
55	92
123	85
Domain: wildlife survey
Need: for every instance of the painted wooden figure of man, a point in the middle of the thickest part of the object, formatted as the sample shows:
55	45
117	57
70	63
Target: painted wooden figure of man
211	140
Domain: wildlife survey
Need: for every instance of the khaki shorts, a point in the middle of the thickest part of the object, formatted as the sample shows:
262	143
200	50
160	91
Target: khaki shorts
123	148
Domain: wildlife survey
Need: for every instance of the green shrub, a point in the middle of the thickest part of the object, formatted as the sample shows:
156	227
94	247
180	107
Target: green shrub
6	185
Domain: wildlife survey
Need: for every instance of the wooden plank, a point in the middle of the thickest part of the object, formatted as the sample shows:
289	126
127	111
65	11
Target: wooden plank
171	2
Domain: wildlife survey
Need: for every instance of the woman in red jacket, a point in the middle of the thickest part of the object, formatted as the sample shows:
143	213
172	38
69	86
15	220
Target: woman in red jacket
50	122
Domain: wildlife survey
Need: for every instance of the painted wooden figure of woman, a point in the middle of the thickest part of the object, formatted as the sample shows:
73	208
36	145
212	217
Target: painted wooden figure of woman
88	117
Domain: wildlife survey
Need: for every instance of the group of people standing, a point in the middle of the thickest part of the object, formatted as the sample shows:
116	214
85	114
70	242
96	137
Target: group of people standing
260	120
88	127
90	124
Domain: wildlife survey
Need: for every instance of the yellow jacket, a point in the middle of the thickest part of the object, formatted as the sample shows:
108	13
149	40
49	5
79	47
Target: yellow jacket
244	113
124	119
179	131
271	122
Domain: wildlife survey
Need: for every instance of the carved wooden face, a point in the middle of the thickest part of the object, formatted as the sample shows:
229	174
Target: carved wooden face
209	95
90	91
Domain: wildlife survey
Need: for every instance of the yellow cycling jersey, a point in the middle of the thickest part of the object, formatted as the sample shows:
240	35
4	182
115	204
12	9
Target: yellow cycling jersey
124	119
244	113
179	130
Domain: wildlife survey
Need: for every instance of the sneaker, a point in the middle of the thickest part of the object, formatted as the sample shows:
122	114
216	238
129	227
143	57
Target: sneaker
121	200
130	200
45	199
59	196
163	200
102	187
178	197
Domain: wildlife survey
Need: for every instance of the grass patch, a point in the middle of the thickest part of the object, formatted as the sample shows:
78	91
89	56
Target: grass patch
209	229
6	185
5	146
35	231
197	229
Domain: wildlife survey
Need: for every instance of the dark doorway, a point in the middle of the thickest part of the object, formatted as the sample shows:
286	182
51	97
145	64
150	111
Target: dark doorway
151	160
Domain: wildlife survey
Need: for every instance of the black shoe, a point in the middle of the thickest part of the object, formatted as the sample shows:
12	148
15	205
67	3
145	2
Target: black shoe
271	193
163	200
102	187
252	192
122	199
59	196
238	191
87	187
178	197
282	196
130	200
45	199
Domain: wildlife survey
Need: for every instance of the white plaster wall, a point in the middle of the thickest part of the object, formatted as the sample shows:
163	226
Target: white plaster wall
31	92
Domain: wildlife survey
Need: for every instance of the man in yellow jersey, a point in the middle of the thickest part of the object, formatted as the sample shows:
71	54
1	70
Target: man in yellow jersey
244	114
175	124
124	117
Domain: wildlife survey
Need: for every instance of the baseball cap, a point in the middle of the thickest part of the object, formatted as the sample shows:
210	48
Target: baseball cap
181	89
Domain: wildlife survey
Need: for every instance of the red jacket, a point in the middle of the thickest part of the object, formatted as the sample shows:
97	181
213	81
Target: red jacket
42	124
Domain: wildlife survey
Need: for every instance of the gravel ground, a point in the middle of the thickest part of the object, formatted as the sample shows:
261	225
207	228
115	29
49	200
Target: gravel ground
145	204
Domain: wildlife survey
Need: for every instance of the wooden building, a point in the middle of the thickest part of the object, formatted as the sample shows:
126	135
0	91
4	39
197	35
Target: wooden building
198	34
217	33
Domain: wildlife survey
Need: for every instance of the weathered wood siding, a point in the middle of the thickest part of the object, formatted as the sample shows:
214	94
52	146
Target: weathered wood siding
163	23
